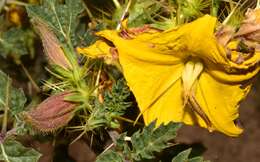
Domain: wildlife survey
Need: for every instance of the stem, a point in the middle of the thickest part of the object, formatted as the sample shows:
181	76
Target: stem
178	13
35	86
127	120
123	15
71	56
117	4
258	4
108	148
231	13
4	153
98	78
6	108
91	17
215	7
77	138
171	13
2	4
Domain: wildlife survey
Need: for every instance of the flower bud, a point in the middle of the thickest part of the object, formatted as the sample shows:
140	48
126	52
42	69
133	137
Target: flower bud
51	114
51	45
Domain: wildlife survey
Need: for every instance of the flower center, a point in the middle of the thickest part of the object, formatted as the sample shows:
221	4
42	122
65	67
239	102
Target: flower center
192	70
190	74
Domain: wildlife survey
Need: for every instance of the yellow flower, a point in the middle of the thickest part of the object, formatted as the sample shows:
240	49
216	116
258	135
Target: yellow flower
183	74
15	15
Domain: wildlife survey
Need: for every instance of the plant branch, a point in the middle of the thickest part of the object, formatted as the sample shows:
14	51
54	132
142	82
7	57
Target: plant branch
6	107
123	15
2	4
36	87
4	153
215	7
117	4
91	17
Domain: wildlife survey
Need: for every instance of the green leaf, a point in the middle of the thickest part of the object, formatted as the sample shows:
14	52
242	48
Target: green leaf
10	97
184	157
86	36
191	9
115	101
144	144
62	18
164	25
17	42
110	156
140	12
115	104
197	159
13	151
152	140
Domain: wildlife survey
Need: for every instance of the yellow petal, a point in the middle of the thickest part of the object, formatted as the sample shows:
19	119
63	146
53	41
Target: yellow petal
168	107
150	83
236	72
98	49
192	39
220	102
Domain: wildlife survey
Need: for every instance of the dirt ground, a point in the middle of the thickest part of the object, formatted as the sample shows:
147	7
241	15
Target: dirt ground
220	148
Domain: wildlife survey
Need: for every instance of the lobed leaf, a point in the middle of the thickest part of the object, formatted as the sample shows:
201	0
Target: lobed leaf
115	104
13	151
110	156
184	157
10	97
152	140
144	144
16	42
62	18
141	12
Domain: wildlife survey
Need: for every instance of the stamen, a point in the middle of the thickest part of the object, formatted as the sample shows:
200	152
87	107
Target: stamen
194	105
192	71
190	74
